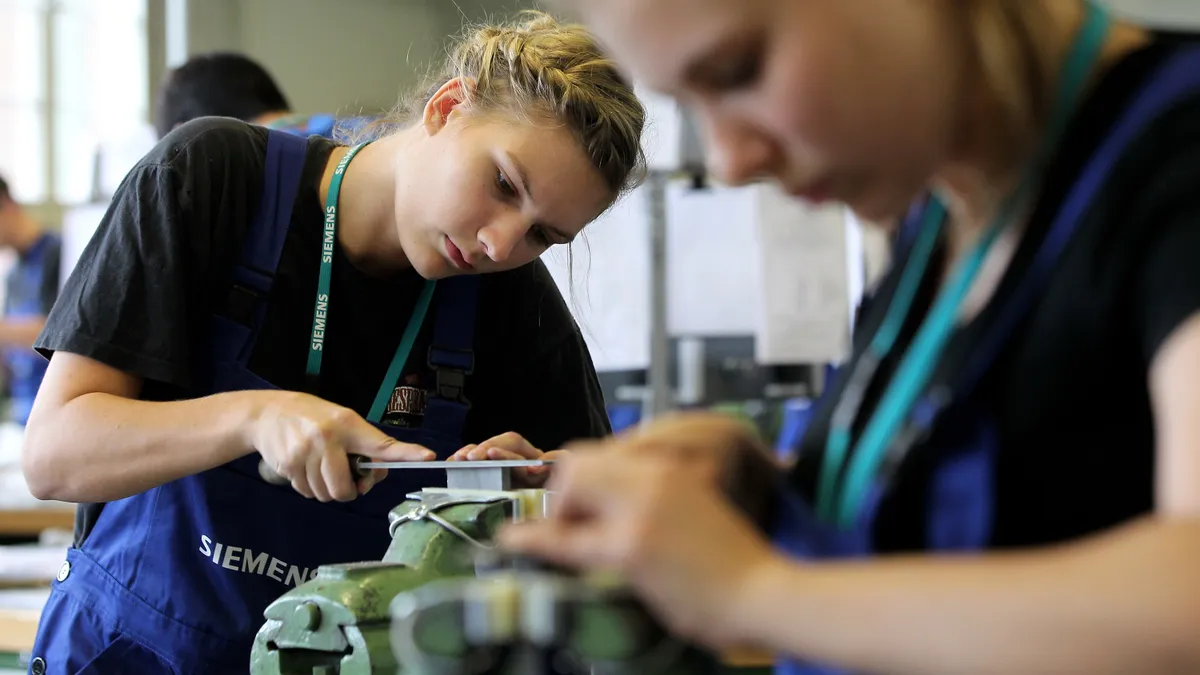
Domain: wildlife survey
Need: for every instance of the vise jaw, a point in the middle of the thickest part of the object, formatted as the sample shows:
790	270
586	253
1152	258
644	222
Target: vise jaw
338	623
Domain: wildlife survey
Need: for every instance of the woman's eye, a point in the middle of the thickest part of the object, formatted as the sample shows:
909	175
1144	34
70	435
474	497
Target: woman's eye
504	185
738	70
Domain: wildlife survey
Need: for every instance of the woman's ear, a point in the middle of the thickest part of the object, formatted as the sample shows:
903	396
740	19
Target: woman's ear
448	98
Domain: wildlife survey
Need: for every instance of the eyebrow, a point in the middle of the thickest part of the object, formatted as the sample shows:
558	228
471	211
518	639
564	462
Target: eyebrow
523	176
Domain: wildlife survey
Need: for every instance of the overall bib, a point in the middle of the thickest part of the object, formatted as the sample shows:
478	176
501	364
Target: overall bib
26	367
175	580
953	427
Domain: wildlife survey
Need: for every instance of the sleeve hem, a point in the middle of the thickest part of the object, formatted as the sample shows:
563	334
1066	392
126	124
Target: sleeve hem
120	358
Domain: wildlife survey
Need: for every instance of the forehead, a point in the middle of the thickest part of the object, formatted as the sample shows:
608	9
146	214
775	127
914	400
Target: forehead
569	192
655	41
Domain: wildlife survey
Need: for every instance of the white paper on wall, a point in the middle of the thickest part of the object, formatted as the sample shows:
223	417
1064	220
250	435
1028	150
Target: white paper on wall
608	284
713	282
79	224
804	281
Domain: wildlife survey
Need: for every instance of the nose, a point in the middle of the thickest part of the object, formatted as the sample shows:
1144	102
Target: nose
737	153
500	237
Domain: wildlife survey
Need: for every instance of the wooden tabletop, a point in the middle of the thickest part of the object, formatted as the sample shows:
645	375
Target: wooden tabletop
32	522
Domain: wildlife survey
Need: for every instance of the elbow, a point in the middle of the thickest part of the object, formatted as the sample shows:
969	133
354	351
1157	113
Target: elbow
43	471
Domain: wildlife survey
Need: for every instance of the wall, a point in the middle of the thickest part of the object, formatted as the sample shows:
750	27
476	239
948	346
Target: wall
1169	13
336	55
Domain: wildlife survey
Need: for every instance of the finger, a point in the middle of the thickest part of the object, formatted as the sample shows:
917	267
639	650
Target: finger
571	545
370	480
335	471
301	485
316	481
516	444
588	484
364	439
500	453
461	453
477	454
394	451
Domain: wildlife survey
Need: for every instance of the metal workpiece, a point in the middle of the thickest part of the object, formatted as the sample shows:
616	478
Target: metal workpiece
471	475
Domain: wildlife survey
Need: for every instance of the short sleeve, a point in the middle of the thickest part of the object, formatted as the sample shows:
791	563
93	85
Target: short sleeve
568	403
1167	285
125	302
537	377
48	293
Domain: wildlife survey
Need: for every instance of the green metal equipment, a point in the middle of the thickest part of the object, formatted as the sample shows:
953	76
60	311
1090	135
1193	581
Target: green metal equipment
440	602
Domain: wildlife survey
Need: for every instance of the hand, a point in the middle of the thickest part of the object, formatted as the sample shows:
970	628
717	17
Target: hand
716	449
511	446
306	440
696	562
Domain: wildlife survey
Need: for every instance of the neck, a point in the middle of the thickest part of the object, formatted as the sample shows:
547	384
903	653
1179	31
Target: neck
975	183
25	233
366	214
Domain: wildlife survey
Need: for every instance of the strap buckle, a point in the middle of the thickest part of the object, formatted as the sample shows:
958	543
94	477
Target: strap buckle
450	380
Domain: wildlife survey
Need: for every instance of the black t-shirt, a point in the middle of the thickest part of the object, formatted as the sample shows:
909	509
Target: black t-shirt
1069	393
143	292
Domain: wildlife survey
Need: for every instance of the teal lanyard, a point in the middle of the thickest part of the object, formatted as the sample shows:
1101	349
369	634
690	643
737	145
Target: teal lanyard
918	363
316	345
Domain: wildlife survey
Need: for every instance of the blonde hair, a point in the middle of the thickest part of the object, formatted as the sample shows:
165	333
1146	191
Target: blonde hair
1011	43
535	67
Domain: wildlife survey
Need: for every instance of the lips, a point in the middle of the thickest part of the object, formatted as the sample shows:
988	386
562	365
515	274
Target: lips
456	256
816	193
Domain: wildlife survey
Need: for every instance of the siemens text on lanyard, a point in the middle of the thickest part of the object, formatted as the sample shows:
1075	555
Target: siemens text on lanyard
882	444
316	345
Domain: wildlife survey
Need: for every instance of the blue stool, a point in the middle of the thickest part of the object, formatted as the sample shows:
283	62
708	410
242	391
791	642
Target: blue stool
797	412
623	416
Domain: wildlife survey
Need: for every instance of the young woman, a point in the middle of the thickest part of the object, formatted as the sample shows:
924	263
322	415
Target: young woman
256	295
1023	386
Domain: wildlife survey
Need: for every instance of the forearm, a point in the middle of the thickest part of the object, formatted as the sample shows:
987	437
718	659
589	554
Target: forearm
1125	603
21	332
100	447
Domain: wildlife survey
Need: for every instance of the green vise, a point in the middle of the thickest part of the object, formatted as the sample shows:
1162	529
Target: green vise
338	623
535	622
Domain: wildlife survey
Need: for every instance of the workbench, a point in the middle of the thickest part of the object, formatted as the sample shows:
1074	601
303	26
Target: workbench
32	522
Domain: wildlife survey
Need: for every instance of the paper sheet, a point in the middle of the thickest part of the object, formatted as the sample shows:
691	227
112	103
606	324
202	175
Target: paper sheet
712	277
804	281
609	286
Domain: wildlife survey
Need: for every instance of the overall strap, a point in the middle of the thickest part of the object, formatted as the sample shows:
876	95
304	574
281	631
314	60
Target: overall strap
255	271
906	236
1176	79
451	355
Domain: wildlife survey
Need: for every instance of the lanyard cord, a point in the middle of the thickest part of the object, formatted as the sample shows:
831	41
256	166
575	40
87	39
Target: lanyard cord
917	365
316	345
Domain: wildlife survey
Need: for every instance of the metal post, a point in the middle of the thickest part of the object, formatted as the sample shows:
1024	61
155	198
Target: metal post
658	399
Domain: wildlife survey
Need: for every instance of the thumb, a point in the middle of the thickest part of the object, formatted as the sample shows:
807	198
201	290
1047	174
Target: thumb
389	449
369	441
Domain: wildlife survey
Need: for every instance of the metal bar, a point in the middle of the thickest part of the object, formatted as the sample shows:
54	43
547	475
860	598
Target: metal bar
660	396
456	466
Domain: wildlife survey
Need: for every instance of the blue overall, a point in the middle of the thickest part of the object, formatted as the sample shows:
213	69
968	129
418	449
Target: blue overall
325	125
175	580
955	428
26	367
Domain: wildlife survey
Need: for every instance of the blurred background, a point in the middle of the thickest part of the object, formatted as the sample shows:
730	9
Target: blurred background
690	294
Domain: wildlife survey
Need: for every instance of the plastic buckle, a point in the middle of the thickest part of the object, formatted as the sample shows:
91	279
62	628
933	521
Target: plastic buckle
451	381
